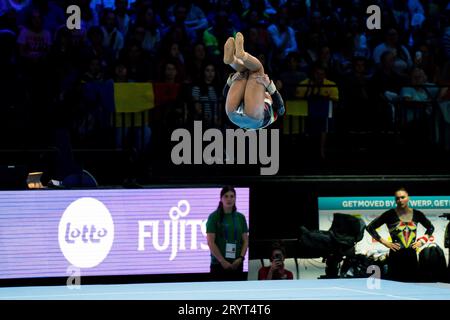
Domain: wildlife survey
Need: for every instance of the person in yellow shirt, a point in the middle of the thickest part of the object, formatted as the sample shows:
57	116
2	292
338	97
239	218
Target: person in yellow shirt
320	93
313	86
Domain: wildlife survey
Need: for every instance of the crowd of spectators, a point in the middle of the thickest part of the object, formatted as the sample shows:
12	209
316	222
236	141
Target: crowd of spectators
56	78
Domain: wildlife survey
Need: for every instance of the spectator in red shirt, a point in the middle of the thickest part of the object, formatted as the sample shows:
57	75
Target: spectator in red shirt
276	270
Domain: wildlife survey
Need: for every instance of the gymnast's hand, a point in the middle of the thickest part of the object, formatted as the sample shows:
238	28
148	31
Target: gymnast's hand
417	244
391	245
263	79
238	76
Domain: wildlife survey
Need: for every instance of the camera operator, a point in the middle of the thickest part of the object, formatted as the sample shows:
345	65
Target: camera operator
276	270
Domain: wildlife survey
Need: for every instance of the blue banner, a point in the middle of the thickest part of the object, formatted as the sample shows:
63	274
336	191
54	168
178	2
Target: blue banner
382	203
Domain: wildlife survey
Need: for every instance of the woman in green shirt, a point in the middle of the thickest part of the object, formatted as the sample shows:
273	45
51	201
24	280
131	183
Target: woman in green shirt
227	235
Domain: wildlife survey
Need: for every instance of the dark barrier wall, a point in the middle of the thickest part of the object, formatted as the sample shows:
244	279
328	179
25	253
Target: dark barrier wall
278	207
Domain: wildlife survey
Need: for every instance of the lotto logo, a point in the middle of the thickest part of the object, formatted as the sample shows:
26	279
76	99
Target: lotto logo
86	233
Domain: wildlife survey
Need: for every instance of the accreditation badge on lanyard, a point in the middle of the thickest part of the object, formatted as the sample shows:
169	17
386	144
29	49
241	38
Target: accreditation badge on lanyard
230	250
230	247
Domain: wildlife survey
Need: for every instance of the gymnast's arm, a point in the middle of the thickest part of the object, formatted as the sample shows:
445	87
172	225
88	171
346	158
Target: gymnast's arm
423	220
375	224
277	100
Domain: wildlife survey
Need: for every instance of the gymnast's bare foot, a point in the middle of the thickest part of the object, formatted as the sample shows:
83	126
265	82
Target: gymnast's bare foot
239	44
228	51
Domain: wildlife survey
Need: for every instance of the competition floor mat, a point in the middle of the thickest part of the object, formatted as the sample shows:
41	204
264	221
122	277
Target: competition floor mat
324	289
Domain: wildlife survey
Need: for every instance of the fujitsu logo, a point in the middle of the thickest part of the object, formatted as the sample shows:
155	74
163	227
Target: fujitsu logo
175	231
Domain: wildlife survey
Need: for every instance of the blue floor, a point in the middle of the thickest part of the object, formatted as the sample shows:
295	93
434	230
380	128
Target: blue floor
336	289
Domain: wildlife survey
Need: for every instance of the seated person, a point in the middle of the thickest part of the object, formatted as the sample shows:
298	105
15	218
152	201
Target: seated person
276	270
419	93
420	90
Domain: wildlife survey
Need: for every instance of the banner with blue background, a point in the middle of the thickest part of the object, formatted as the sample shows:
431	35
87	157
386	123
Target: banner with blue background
382	203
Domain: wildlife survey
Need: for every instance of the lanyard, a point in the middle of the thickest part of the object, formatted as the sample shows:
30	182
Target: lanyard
235	228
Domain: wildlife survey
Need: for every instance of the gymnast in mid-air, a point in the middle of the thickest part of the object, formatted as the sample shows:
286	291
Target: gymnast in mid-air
252	99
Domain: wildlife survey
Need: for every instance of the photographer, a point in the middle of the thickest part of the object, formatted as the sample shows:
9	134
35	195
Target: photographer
276	270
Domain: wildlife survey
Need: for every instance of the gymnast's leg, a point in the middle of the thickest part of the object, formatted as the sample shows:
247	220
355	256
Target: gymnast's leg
254	92
237	81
